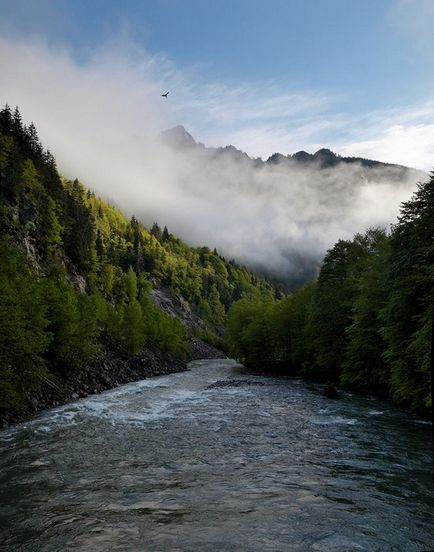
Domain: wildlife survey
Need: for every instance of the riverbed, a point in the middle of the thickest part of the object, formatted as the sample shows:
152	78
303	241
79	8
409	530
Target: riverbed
217	459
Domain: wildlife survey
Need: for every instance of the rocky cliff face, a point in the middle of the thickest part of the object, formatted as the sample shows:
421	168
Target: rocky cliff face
177	307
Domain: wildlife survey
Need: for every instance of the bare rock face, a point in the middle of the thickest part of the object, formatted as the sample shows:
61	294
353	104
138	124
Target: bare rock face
201	350
178	137
177	307
78	282
31	253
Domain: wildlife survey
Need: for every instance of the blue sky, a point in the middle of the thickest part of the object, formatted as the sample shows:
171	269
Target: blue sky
353	75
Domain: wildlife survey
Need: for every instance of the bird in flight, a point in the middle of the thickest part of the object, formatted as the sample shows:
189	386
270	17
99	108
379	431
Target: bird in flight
165	95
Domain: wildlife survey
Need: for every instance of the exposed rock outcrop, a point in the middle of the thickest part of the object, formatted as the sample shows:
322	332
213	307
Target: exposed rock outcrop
200	350
177	307
236	383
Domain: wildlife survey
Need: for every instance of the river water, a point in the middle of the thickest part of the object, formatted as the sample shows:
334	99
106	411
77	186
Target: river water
176	463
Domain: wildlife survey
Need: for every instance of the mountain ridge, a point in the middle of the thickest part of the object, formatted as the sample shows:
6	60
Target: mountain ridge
179	137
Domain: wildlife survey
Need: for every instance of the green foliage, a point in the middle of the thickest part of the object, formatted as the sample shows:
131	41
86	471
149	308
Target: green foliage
79	229
408	312
125	321
269	333
42	212
163	332
133	327
202	277
215	304
23	329
367	320
296	324
91	272
48	228
72	320
130	283
6	146
250	331
210	337
364	368
332	305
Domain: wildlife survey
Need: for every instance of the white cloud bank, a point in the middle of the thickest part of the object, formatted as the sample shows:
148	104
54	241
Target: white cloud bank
100	119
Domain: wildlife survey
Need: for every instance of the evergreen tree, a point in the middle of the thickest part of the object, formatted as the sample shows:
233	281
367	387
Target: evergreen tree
79	230
165	236
72	321
408	312
156	231
364	368
133	327
216	306
23	330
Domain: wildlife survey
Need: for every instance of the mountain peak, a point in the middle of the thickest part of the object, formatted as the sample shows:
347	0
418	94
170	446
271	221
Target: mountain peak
326	157
302	156
233	152
277	158
178	137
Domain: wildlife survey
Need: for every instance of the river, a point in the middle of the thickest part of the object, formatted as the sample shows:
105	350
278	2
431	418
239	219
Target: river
182	463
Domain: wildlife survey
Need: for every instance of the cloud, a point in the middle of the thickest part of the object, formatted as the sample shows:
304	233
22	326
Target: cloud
100	117
225	105
402	135
262	120
412	145
256	117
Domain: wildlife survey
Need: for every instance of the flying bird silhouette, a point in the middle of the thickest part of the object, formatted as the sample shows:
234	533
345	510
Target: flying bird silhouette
165	95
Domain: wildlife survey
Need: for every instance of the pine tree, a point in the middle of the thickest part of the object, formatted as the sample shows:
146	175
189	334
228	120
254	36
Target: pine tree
364	368
408	312
165	236
156	231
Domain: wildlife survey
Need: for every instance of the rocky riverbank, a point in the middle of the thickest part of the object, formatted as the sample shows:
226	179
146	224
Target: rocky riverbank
108	370
201	350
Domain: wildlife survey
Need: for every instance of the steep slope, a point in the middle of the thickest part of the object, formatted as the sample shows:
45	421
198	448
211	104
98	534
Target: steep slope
89	296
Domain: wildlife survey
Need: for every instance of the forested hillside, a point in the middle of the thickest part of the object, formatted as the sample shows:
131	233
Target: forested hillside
365	323
76	275
74	272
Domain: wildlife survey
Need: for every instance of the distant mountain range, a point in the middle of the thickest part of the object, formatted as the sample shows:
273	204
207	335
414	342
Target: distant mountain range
281	214
180	138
